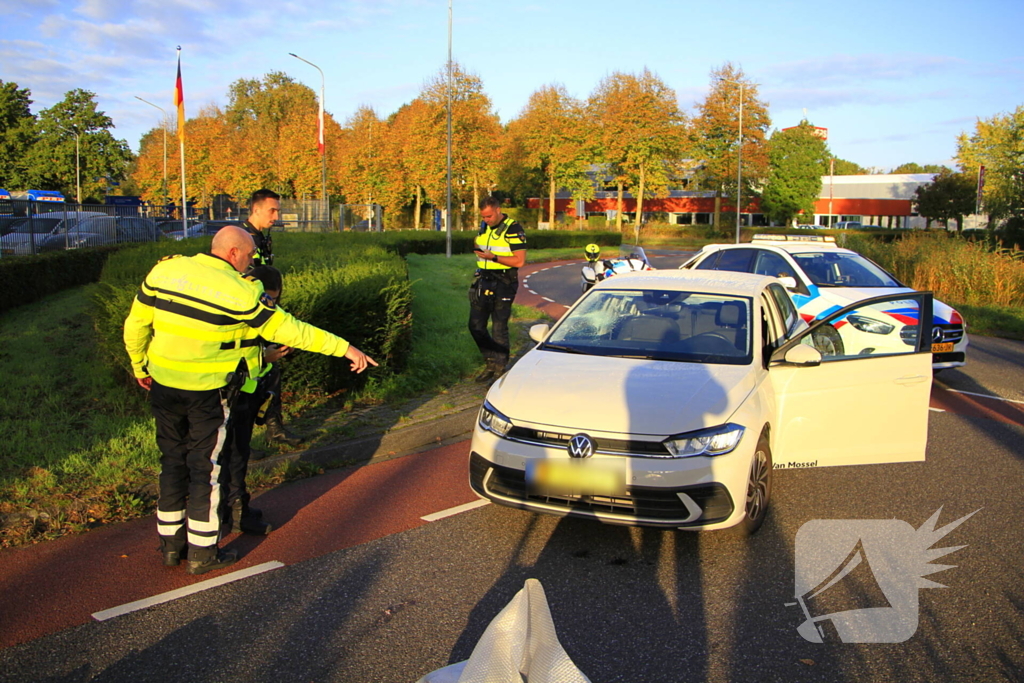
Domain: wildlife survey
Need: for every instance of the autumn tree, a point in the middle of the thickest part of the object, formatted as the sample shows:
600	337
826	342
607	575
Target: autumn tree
417	142
998	145
642	134
716	131
102	158
360	170
844	167
797	159
552	134
950	196
17	136
476	131
273	122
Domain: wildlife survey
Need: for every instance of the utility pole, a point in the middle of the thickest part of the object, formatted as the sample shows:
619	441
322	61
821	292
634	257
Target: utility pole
163	126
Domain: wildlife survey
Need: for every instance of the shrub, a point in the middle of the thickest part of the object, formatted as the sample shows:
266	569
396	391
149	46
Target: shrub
358	291
24	279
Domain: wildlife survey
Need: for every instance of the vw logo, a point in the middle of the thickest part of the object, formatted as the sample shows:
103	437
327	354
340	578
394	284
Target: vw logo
936	335
581	446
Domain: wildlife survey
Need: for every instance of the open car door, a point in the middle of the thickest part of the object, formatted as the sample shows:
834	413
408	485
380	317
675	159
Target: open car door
860	409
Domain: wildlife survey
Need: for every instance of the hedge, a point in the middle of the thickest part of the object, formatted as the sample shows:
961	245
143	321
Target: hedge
359	292
24	279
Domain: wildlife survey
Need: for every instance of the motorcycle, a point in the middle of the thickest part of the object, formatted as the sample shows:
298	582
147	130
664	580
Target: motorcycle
630	260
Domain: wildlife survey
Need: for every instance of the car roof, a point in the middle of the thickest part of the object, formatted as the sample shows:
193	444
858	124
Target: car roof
708	281
794	245
69	214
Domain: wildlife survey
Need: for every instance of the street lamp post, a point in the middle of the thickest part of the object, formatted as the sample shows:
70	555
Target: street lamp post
78	165
322	140
163	125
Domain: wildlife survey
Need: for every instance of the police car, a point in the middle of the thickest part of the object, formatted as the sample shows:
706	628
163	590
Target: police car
667	398
822	278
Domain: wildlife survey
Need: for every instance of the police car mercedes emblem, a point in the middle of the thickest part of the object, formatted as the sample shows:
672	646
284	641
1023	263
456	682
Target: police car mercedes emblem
581	446
936	335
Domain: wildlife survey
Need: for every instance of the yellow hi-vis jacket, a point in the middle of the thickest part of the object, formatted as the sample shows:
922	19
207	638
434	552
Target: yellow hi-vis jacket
193	320
500	240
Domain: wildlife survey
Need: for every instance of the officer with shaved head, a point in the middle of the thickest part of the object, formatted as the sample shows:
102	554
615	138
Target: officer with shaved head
190	337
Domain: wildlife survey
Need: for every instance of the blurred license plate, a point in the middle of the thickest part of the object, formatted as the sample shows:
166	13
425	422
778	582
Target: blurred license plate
604	477
945	347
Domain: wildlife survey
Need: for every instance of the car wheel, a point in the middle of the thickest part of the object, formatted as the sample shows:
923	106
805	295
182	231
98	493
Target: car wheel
759	487
827	340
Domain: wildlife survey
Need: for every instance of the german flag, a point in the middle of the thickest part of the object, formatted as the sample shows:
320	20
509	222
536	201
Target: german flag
179	101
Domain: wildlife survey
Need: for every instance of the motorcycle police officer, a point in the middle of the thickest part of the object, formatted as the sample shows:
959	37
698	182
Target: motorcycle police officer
500	249
189	335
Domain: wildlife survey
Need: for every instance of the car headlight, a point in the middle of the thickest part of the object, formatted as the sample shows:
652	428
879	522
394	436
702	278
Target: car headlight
865	324
493	421
714	441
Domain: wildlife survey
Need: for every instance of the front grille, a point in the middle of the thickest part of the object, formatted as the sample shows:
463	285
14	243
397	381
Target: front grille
601	445
950	332
638	502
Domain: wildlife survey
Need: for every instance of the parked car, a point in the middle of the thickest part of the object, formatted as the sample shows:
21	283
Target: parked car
810	226
203	229
822	278
43	231
667	399
101	230
847	225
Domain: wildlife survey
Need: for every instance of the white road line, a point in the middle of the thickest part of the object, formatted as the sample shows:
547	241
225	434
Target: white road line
936	410
187	590
457	510
547	299
532	292
998	398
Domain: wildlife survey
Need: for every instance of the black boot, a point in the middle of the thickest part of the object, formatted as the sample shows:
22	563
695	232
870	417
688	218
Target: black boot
244	520
172	553
277	432
204	560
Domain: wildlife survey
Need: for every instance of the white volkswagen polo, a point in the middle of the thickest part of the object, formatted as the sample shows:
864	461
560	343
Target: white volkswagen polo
667	399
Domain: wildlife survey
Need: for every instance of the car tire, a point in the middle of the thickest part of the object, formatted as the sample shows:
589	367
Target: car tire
827	340
759	487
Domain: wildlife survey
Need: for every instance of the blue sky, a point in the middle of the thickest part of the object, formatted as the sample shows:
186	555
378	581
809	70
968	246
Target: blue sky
892	81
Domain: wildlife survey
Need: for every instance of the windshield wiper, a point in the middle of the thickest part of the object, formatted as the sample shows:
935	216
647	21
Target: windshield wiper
560	347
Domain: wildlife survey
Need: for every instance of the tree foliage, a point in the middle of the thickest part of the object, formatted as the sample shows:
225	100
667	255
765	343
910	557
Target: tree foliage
17	135
716	129
798	158
103	159
551	131
951	196
918	168
641	130
998	145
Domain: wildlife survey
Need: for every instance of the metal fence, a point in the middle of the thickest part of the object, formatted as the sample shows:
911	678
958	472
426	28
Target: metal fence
32	227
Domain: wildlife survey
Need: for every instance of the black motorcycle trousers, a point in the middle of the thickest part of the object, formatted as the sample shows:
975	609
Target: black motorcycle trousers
490	298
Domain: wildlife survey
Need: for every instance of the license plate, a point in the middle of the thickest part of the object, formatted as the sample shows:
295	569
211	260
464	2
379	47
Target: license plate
944	347
602	477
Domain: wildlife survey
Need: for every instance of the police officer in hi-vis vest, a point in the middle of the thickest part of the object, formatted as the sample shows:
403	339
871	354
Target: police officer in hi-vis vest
500	249
191	339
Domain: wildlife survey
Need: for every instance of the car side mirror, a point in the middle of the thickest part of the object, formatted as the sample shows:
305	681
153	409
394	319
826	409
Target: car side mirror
539	332
789	282
801	354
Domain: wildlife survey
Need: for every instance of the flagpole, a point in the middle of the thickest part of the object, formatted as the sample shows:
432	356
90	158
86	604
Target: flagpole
179	101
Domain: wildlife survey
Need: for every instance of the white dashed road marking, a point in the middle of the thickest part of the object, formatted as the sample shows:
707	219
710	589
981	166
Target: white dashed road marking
187	590
458	509
998	398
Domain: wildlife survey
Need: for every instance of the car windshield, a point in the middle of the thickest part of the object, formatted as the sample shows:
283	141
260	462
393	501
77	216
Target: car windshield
836	269
657	325
39	226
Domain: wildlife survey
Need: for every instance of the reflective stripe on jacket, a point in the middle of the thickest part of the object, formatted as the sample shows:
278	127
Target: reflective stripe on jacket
193	320
502	240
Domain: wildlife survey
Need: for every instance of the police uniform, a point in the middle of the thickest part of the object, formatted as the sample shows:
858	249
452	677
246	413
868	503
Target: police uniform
493	290
264	245
192	329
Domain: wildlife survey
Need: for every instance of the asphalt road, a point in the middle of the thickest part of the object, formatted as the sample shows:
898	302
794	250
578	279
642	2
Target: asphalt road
629	604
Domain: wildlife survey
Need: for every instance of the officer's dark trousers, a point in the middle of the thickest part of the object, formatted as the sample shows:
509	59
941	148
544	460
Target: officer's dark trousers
234	458
191	429
492	301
